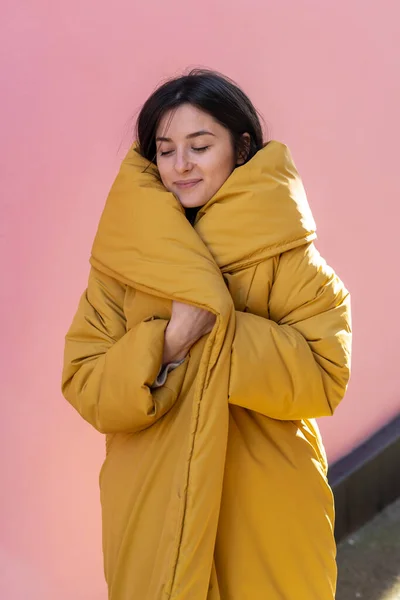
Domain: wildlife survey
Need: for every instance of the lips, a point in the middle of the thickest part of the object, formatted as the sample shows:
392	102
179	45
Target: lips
187	184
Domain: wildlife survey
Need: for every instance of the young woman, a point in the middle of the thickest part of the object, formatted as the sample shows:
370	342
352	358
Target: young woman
210	336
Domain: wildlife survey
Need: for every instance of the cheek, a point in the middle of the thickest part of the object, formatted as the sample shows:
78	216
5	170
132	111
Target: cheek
220	172
166	180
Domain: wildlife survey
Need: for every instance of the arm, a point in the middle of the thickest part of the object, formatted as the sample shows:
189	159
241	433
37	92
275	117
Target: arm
107	370
296	364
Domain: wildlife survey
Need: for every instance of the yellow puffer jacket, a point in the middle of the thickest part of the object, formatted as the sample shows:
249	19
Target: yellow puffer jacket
214	485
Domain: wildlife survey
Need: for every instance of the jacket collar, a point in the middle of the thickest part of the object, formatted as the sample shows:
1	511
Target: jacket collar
259	212
144	239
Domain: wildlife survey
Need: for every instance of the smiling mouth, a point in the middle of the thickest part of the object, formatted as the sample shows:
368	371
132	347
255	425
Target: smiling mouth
187	185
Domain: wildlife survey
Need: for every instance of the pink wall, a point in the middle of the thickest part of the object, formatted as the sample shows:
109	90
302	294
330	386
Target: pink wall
324	74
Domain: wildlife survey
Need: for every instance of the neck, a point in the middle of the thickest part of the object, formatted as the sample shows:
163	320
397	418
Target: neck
191	213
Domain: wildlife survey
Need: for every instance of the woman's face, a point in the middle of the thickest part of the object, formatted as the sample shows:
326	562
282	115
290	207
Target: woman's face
195	154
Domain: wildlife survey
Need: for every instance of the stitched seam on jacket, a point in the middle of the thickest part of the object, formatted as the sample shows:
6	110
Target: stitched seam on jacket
188	472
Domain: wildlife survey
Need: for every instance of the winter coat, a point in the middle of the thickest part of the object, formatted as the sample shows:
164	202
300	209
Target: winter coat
214	485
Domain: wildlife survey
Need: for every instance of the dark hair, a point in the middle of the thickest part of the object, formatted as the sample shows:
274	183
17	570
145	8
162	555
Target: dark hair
211	92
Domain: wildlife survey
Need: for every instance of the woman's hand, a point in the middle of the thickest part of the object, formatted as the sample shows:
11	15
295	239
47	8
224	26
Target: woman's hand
187	325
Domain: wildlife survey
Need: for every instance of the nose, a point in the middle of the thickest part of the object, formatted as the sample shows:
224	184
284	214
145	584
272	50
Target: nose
182	162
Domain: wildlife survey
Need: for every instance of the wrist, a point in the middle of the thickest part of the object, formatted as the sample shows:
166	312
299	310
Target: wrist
176	346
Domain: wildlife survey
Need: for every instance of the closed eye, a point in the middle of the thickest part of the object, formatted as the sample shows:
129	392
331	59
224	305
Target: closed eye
168	152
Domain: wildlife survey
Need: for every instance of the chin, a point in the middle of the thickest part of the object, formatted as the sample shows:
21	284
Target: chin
192	203
195	205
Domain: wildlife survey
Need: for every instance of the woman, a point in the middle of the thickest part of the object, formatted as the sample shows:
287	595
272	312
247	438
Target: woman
209	337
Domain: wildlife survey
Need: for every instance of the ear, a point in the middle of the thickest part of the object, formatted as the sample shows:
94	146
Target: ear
244	150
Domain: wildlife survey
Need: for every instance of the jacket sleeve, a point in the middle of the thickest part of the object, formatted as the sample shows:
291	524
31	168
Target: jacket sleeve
296	364
108	371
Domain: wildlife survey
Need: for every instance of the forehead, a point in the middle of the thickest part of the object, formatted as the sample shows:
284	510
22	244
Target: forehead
184	120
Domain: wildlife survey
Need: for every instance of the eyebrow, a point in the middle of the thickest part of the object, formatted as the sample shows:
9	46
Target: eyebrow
188	137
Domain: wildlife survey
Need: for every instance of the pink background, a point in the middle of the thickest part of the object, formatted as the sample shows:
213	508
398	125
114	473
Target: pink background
73	75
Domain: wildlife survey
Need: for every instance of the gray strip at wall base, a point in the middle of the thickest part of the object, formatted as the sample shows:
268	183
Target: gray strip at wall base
366	480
